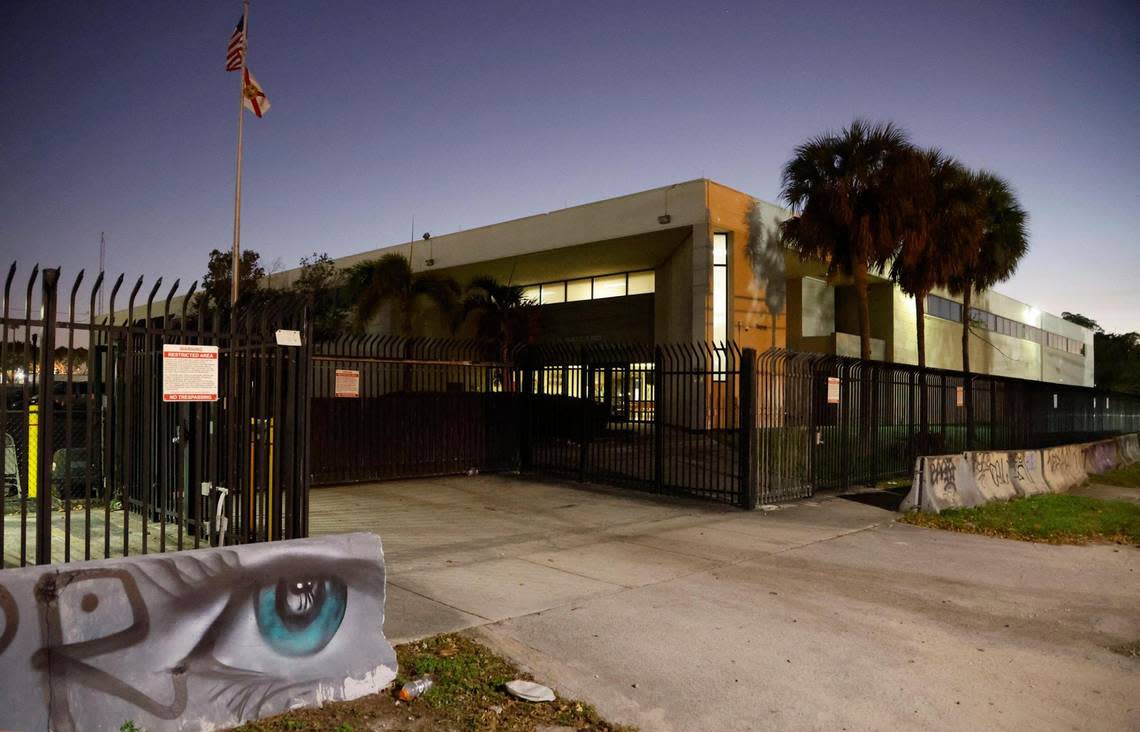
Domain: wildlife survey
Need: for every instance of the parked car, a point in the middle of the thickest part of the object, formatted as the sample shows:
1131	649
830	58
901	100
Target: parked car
70	472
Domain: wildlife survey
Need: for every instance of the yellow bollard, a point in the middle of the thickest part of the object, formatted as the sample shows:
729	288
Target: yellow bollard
33	448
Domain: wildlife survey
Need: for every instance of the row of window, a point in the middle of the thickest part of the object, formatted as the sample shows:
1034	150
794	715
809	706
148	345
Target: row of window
591	288
940	307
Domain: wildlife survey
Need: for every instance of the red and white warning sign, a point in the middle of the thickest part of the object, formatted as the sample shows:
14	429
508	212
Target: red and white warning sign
189	373
832	389
347	383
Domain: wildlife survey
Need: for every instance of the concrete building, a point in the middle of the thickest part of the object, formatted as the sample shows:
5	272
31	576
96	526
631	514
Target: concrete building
699	261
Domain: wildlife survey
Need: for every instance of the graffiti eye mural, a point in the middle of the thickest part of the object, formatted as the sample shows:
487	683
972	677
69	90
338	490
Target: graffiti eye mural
209	638
300	617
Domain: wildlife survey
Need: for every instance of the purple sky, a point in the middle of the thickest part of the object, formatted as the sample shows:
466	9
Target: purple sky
118	117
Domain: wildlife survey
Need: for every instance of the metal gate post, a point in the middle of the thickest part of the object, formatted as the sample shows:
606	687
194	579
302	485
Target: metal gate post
526	457
658	420
747	448
45	441
587	402
843	421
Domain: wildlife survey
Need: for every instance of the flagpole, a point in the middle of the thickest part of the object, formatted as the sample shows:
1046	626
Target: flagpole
235	264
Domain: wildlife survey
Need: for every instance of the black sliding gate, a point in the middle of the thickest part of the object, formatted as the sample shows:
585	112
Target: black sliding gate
666	419
97	464
662	419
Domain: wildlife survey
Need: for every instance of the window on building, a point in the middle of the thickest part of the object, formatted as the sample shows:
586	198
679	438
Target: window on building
578	290
720	288
591	288
554	292
640	283
609	286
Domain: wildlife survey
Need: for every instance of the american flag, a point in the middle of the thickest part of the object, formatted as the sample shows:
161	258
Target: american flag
236	50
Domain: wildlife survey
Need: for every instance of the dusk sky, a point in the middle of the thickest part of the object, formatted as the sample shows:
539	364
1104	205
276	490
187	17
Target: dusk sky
119	117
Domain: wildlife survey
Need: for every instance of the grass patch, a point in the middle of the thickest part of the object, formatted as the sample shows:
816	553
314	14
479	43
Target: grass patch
468	695
1128	477
1051	518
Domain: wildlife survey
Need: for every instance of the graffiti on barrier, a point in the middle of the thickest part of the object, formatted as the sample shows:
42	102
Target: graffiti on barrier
1056	461
942	471
995	466
209	638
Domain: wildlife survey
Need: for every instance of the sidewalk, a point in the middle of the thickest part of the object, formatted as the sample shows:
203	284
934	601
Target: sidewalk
679	616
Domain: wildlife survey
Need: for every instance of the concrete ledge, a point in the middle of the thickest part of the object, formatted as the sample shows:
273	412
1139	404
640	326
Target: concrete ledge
193	640
991	472
1064	467
941	482
1027	470
1129	448
974	478
1101	456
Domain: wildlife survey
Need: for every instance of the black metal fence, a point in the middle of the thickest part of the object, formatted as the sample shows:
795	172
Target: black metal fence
828	422
667	419
410	408
664	419
714	422
96	462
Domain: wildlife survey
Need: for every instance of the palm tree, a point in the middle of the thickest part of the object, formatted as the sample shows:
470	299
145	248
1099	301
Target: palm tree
375	282
939	238
502	315
1001	245
841	185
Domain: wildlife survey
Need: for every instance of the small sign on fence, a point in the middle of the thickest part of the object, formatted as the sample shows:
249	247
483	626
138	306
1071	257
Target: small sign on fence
347	383
288	337
832	389
189	373
960	396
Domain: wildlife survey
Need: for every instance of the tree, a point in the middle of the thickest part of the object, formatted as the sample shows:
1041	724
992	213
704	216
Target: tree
321	283
390	279
501	313
1001	245
216	284
1117	356
842	188
1083	321
1117	365
939	237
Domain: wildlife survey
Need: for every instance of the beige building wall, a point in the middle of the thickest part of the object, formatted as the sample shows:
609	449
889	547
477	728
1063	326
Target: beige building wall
774	299
757	311
990	352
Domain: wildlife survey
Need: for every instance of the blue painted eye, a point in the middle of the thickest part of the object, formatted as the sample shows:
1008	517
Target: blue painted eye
300	617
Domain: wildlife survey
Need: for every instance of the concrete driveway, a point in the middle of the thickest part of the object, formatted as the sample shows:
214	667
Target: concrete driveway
822	615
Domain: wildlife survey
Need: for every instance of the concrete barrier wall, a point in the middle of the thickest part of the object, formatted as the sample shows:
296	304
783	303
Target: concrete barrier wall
991	471
1064	467
193	640
1129	447
941	482
1101	456
1026	470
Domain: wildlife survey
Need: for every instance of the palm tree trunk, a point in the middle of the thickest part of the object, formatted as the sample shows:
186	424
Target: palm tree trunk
924	395
967	382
